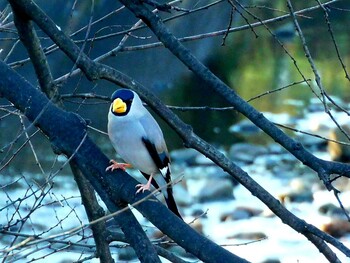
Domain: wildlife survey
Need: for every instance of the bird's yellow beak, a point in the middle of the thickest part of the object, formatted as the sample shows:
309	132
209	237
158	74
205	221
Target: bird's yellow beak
119	106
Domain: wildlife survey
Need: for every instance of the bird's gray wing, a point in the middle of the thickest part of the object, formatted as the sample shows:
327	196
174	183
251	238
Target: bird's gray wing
154	141
155	144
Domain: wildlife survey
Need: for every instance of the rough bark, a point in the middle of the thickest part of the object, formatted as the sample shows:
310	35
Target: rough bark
67	133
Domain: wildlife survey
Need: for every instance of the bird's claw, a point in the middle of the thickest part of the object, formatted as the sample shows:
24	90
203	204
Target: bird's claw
142	187
115	165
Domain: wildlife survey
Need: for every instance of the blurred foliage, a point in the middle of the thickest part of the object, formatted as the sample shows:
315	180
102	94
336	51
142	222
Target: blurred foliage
253	63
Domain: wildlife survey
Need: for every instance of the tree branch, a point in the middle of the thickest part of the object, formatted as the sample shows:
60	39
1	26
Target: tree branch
37	56
190	138
156	25
66	131
116	236
93	210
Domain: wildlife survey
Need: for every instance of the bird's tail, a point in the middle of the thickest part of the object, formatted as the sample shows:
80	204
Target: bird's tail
169	198
170	201
163	182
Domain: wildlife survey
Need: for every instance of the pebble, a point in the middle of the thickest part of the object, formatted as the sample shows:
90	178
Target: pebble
275	148
216	189
272	260
297	197
244	127
339	152
199	213
179	251
276	161
185	155
240	213
332	211
312	143
246	152
249	236
183	197
126	254
203	160
342	184
336	228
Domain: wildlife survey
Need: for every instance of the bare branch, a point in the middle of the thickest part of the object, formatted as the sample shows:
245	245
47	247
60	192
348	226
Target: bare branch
93	211
117	192
330	30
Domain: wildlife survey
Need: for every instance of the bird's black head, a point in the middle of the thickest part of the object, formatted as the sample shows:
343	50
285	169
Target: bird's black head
121	102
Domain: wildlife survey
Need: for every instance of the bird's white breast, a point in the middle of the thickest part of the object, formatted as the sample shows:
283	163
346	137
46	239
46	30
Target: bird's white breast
126	136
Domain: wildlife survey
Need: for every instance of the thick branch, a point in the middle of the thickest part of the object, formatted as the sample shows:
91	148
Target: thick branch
30	9
37	56
66	131
256	117
117	236
215	83
93	211
192	140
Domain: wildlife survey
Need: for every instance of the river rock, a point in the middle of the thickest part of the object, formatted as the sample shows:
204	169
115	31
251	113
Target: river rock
342	184
331	210
312	143
246	152
270	161
179	251
218	173
185	155
249	236
127	254
271	260
244	127
240	213
197	212
216	189
297	197
339	152
279	164
182	196
337	227
275	148
299	192
203	160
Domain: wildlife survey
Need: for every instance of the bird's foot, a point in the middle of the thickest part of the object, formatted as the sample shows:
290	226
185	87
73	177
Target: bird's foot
114	165
143	187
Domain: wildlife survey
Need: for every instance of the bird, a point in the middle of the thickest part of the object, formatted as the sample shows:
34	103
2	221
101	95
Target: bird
138	139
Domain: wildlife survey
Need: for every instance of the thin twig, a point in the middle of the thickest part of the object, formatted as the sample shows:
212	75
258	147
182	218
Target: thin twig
31	146
194	37
330	30
32	240
323	92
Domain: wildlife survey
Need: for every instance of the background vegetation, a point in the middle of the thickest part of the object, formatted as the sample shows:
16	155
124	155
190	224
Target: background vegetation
276	57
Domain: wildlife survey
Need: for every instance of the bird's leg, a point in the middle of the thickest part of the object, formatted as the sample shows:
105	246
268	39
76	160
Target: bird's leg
115	165
144	187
